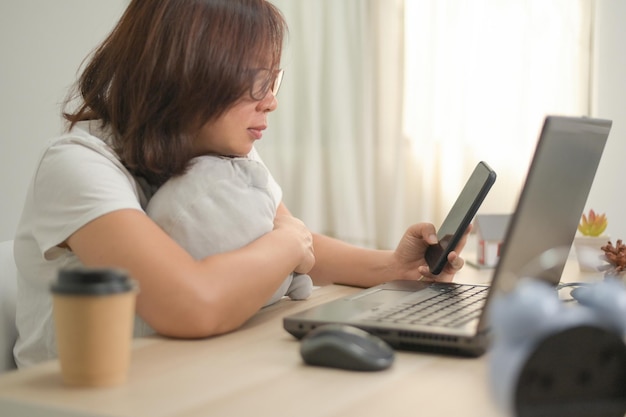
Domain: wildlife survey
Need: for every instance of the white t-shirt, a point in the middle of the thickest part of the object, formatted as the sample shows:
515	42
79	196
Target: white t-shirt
78	179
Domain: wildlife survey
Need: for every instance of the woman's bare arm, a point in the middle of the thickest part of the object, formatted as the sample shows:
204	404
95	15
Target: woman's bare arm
183	297
337	262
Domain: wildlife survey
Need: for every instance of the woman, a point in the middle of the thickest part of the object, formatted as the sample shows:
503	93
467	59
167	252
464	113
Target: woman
174	80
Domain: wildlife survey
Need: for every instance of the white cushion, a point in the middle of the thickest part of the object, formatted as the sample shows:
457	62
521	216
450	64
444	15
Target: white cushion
8	289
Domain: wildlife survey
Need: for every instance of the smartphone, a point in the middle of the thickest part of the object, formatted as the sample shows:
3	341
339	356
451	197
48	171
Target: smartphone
460	216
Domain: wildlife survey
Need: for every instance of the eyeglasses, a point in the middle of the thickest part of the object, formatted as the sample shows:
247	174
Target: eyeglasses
266	81
277	82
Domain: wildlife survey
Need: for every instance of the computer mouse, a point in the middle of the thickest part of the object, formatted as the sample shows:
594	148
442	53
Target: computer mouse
345	347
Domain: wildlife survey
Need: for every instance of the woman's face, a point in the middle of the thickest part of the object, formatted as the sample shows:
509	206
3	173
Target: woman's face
234	133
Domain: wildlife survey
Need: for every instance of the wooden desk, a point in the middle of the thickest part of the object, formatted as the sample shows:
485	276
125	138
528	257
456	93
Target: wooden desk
257	371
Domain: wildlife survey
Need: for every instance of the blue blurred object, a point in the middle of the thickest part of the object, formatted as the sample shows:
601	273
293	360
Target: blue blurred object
554	359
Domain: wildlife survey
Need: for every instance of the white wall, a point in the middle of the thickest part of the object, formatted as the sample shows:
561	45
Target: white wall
608	193
42	42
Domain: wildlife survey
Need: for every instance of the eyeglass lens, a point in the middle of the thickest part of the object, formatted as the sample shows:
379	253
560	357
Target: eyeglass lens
277	82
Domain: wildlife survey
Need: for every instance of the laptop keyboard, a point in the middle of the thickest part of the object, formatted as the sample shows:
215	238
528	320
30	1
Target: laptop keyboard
454	306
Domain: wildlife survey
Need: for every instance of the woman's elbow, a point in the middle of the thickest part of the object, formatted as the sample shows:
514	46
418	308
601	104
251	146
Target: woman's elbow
195	318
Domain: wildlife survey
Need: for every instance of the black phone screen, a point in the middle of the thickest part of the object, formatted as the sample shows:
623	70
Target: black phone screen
460	216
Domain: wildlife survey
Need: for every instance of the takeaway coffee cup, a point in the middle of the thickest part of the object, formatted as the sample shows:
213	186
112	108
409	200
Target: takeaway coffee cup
93	314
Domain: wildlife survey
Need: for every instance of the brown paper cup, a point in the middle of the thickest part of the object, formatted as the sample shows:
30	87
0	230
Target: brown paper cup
94	315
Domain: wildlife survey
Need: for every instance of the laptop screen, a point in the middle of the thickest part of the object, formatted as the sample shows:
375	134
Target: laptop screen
543	226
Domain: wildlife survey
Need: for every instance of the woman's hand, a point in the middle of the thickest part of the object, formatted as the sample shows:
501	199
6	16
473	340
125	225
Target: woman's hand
302	238
409	255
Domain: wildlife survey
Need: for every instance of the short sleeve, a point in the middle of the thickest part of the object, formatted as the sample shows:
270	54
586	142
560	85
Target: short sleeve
76	182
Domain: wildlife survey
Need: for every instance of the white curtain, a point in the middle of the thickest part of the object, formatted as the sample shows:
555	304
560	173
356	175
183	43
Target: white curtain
481	75
387	105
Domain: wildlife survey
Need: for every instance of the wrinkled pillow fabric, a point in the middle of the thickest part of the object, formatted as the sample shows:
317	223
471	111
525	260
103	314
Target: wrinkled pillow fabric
221	204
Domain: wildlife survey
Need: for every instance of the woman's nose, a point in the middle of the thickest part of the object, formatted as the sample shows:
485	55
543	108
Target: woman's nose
268	103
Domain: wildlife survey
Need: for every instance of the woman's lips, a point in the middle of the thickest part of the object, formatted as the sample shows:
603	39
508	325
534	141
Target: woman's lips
256	132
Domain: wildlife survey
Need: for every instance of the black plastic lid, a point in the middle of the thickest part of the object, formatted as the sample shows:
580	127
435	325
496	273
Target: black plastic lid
92	282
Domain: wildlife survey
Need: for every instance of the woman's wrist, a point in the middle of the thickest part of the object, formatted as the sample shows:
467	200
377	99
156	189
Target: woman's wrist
288	244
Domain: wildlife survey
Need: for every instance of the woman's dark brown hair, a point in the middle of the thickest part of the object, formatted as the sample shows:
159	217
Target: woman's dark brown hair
168	67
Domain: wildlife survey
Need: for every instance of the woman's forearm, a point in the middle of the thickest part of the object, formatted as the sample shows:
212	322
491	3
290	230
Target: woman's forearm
337	262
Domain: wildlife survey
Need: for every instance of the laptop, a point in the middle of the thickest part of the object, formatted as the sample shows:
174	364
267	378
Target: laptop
452	318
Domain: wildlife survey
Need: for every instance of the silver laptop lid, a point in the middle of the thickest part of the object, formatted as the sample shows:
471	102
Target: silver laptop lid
543	226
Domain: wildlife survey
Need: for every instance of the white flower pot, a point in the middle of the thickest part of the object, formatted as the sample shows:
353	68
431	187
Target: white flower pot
589	254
